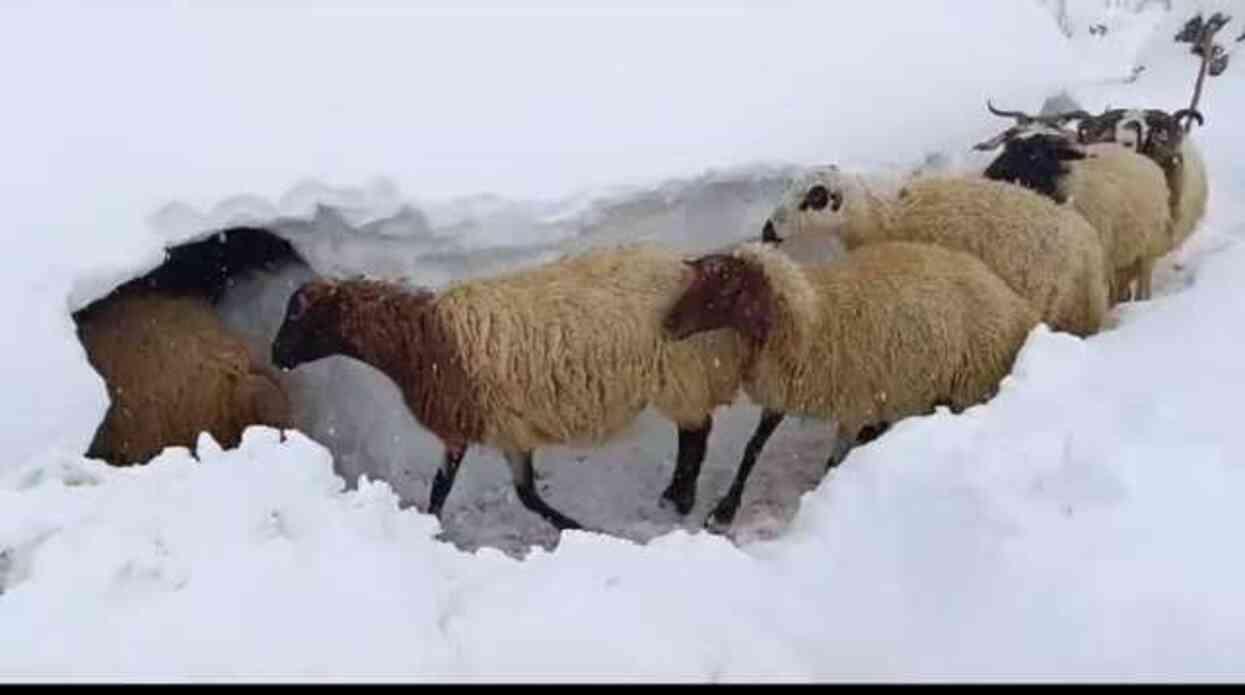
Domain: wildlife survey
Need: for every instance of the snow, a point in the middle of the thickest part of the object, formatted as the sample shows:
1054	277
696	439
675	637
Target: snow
1076	527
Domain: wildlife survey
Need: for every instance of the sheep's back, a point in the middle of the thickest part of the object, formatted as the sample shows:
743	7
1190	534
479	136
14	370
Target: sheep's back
1124	197
900	328
572	351
1048	254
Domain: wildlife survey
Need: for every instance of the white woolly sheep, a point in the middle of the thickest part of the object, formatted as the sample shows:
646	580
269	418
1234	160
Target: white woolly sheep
1159	136
172	370
1045	252
569	352
1122	194
885	332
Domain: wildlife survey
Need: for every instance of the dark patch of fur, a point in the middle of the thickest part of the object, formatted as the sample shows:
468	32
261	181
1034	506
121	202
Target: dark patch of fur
1036	162
768	235
725	292
394	329
818	197
206	268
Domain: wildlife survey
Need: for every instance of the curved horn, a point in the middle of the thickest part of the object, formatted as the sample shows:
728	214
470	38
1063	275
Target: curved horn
1020	116
1192	114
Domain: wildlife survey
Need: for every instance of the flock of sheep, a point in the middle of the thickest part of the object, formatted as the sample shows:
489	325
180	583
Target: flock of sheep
944	277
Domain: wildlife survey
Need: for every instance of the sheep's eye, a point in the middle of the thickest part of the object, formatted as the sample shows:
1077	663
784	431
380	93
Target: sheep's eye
836	201
298	306
816	199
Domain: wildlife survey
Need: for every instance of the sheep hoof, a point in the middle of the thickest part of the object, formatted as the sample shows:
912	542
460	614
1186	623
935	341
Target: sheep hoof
677	501
720	520
717	526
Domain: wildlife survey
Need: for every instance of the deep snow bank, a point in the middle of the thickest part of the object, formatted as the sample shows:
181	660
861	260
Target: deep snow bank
1072	528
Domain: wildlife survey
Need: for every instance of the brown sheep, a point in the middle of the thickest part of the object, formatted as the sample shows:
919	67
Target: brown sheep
887	331
568	352
173	370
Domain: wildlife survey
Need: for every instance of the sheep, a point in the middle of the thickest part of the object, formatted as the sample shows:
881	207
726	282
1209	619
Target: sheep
884	332
1046	253
1159	136
1122	194
566	353
172	370
1053	123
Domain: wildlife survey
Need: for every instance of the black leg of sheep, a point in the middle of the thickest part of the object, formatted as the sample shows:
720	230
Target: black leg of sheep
525	485
444	479
681	493
842	445
724	514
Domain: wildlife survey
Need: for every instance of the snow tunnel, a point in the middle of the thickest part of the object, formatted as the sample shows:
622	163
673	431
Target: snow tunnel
247	274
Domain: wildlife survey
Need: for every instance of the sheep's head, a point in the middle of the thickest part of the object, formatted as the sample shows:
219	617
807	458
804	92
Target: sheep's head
310	329
1112	125
1036	162
725	292
1165	136
1053	124
816	200
1154	133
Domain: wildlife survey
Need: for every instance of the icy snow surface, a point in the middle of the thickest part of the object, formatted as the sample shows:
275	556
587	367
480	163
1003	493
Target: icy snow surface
1077	526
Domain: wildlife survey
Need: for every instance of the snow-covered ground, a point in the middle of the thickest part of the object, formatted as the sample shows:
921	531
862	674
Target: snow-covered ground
1078	526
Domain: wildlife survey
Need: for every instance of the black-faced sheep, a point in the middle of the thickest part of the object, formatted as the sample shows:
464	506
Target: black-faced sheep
173	370
885	332
1159	136
1045	252
1122	194
569	352
1026	125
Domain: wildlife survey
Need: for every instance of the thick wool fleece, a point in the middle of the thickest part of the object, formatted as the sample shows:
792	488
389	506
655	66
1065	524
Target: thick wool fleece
173	370
1124	196
566	353
1190	193
1045	252
574	350
888	331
